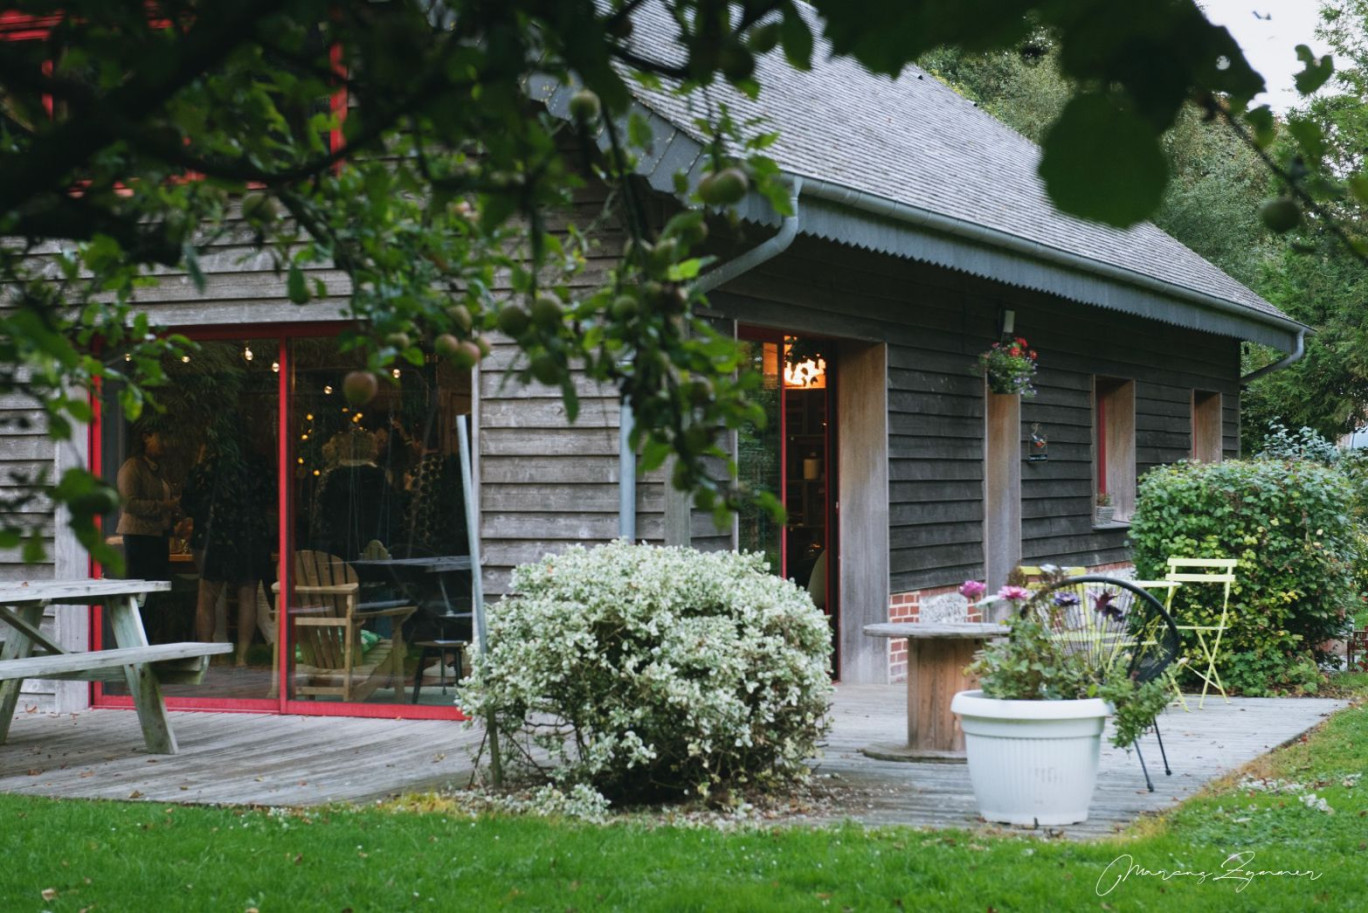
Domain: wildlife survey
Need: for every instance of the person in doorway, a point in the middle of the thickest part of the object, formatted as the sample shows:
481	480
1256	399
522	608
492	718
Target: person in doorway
228	497
149	509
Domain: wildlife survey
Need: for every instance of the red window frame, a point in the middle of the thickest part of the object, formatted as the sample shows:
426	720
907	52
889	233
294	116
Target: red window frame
282	704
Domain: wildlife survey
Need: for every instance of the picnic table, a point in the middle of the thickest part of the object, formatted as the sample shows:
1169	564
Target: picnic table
143	666
937	653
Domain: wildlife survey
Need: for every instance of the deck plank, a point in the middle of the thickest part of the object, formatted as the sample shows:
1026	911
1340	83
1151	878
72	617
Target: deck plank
249	759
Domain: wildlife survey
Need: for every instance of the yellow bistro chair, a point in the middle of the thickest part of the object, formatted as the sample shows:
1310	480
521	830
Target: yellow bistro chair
1205	572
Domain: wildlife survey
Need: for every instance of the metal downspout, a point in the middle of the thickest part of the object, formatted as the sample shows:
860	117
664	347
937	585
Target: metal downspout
1296	356
766	250
626	474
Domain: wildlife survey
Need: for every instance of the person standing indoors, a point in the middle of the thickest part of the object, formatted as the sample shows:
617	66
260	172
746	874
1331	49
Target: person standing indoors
228	496
149	509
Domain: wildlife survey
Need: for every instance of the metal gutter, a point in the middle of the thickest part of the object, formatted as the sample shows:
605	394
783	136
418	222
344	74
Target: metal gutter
1033	250
766	250
1297	354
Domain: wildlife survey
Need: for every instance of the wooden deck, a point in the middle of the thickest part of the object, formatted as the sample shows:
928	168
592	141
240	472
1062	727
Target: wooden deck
287	760
1202	746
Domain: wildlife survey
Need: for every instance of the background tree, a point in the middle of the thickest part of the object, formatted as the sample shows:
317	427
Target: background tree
1316	278
130	132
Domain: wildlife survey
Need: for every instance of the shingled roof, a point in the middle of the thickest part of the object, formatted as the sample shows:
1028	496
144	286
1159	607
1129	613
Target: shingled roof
908	167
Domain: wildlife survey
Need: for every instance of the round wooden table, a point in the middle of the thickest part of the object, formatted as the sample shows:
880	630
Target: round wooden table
937	653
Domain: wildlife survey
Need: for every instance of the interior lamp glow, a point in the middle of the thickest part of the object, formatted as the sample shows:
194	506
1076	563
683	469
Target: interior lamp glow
805	373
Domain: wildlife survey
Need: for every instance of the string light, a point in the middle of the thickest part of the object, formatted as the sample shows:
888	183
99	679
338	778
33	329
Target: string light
247	352
327	389
185	359
275	366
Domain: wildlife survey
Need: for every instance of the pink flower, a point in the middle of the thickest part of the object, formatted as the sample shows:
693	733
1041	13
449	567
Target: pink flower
1014	593
972	589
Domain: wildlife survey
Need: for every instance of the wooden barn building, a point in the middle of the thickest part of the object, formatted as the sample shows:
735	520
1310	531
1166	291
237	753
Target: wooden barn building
920	234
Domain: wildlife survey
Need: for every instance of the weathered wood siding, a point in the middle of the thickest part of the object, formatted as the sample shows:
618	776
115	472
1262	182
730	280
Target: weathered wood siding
935	322
24	453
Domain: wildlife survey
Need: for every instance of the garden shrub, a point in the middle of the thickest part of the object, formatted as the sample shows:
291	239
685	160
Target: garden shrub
653	672
1289	523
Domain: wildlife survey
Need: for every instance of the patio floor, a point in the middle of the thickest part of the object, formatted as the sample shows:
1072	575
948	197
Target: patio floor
288	760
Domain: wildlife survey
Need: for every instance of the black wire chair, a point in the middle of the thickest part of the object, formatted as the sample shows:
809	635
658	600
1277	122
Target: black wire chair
1118	628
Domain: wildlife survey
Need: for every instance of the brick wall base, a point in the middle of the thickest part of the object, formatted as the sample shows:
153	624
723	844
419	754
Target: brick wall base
907	607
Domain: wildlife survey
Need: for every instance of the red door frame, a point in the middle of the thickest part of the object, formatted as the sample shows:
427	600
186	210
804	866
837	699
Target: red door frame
831	505
282	704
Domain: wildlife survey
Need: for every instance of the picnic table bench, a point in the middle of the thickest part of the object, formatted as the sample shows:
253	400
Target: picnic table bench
143	666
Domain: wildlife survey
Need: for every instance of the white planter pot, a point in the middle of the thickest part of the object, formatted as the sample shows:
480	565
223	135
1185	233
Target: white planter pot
1031	762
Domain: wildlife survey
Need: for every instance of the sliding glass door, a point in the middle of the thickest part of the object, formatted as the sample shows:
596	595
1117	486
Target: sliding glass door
325	539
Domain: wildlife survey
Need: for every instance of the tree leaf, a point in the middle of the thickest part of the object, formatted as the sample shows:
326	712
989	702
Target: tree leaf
1103	162
1317	70
1358	186
295	286
1309	138
797	40
1263	125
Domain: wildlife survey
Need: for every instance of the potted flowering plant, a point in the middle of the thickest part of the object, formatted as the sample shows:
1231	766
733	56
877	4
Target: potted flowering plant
1033	729
1010	367
1105	511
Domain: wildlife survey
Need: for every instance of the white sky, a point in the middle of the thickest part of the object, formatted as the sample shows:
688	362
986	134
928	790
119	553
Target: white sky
1270	44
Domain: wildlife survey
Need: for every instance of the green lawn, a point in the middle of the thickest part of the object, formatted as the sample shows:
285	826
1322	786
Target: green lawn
114	856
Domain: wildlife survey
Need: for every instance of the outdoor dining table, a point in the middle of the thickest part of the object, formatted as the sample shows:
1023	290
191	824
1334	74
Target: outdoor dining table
937	653
143	666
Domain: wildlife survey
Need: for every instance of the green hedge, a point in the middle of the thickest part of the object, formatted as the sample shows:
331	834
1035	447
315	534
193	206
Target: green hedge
1289	522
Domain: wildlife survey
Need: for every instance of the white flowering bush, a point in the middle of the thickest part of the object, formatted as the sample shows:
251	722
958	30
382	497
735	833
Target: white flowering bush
648	672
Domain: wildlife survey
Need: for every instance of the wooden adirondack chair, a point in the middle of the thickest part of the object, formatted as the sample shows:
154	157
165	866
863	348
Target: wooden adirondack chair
328	614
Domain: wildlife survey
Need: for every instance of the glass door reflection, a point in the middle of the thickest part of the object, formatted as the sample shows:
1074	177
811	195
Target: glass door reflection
197	477
378	531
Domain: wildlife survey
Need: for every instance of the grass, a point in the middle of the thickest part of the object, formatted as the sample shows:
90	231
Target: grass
112	856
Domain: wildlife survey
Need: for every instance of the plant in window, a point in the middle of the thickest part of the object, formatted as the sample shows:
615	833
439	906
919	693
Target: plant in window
1009	366
1105	510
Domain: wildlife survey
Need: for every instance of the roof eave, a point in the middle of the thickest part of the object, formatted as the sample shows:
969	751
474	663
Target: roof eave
848	216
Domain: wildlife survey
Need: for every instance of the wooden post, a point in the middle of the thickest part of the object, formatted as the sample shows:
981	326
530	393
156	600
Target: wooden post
1001	487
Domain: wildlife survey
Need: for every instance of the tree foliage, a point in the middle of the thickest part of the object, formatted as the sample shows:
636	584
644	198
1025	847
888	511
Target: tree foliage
1316	278
131	135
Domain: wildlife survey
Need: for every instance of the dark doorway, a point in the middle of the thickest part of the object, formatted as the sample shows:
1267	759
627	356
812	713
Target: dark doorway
794	457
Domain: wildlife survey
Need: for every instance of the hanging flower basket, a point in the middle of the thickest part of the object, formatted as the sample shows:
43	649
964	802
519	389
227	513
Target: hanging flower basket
1010	367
